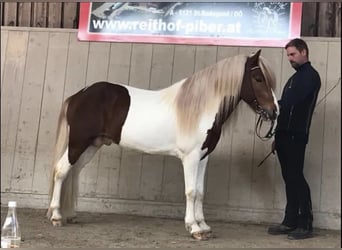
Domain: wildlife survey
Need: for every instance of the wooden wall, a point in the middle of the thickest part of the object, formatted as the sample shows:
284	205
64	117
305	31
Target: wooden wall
318	18
40	14
42	67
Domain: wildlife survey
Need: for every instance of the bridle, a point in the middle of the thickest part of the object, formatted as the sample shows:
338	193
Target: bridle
259	110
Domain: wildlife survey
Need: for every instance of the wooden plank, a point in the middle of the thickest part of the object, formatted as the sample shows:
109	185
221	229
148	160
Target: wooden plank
11	93
10	14
286	72
140	70
76	68
205	56
263	177
69	15
130	171
54	15
309	22
173	177
51	103
108	171
110	157
218	169
97	70
24	14
184	62
119	64
173	180
2	6
242	151
313	156
30	112
325	22
338	19
152	165
98	62
4	38
39	18
162	62
331	169
224	52
76	71
279	189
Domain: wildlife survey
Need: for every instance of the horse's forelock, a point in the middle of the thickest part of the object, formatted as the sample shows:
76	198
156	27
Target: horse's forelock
203	91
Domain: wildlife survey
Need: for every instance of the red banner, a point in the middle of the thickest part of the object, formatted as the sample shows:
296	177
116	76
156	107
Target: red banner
270	24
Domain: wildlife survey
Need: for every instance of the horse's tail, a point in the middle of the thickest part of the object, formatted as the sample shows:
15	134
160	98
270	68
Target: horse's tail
62	140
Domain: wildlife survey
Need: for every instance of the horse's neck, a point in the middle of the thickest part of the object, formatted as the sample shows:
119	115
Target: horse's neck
169	94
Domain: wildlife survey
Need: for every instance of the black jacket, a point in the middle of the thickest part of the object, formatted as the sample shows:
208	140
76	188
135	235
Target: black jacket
298	100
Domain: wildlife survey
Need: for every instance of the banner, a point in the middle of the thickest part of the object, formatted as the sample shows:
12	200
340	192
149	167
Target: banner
205	23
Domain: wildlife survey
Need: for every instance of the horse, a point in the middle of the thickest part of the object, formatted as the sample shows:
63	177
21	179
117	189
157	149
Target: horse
190	115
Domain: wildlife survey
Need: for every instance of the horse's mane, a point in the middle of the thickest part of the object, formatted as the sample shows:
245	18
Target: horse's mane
205	91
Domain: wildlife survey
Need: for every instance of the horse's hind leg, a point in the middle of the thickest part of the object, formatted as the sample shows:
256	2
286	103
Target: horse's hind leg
67	175
69	212
60	174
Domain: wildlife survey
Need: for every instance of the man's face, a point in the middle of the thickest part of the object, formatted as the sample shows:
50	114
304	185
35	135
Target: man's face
295	57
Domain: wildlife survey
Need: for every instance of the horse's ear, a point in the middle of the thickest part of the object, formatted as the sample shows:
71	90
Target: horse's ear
254	58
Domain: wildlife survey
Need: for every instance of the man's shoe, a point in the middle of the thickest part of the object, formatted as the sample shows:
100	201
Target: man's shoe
280	229
300	233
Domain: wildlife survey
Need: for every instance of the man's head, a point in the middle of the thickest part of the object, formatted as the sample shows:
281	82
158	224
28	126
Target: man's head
297	52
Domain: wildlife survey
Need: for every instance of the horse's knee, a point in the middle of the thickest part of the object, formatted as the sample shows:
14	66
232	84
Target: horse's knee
62	171
199	196
190	195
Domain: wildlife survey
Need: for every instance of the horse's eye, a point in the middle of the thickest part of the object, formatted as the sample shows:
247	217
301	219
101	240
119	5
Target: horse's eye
258	78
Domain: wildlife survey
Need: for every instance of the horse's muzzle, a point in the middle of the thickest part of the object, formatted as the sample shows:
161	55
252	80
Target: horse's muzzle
267	114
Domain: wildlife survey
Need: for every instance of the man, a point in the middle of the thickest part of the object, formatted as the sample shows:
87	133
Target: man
297	104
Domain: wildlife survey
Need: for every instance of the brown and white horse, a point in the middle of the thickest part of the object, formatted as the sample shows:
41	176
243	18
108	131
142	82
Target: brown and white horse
184	120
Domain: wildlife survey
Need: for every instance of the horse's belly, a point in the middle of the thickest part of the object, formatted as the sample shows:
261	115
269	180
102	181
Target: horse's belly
149	127
148	138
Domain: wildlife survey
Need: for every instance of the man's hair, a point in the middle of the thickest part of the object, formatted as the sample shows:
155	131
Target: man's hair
299	44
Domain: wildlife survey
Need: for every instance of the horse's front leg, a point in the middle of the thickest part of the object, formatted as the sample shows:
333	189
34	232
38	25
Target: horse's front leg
199	216
190	165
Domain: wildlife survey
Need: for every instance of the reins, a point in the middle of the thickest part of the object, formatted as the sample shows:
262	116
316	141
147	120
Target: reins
269	133
268	136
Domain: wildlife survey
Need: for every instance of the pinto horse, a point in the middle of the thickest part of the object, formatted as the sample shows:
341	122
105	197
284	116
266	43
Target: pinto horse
184	120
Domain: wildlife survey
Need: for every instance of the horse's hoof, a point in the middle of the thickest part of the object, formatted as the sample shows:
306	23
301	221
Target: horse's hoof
209	234
72	220
56	223
200	236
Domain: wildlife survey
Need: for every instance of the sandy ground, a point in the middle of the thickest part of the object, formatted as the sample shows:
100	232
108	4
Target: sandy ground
125	231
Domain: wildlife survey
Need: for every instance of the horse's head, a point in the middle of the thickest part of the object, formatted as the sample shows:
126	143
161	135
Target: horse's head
256	89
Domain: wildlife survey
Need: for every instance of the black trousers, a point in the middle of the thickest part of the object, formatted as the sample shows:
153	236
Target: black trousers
290	148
